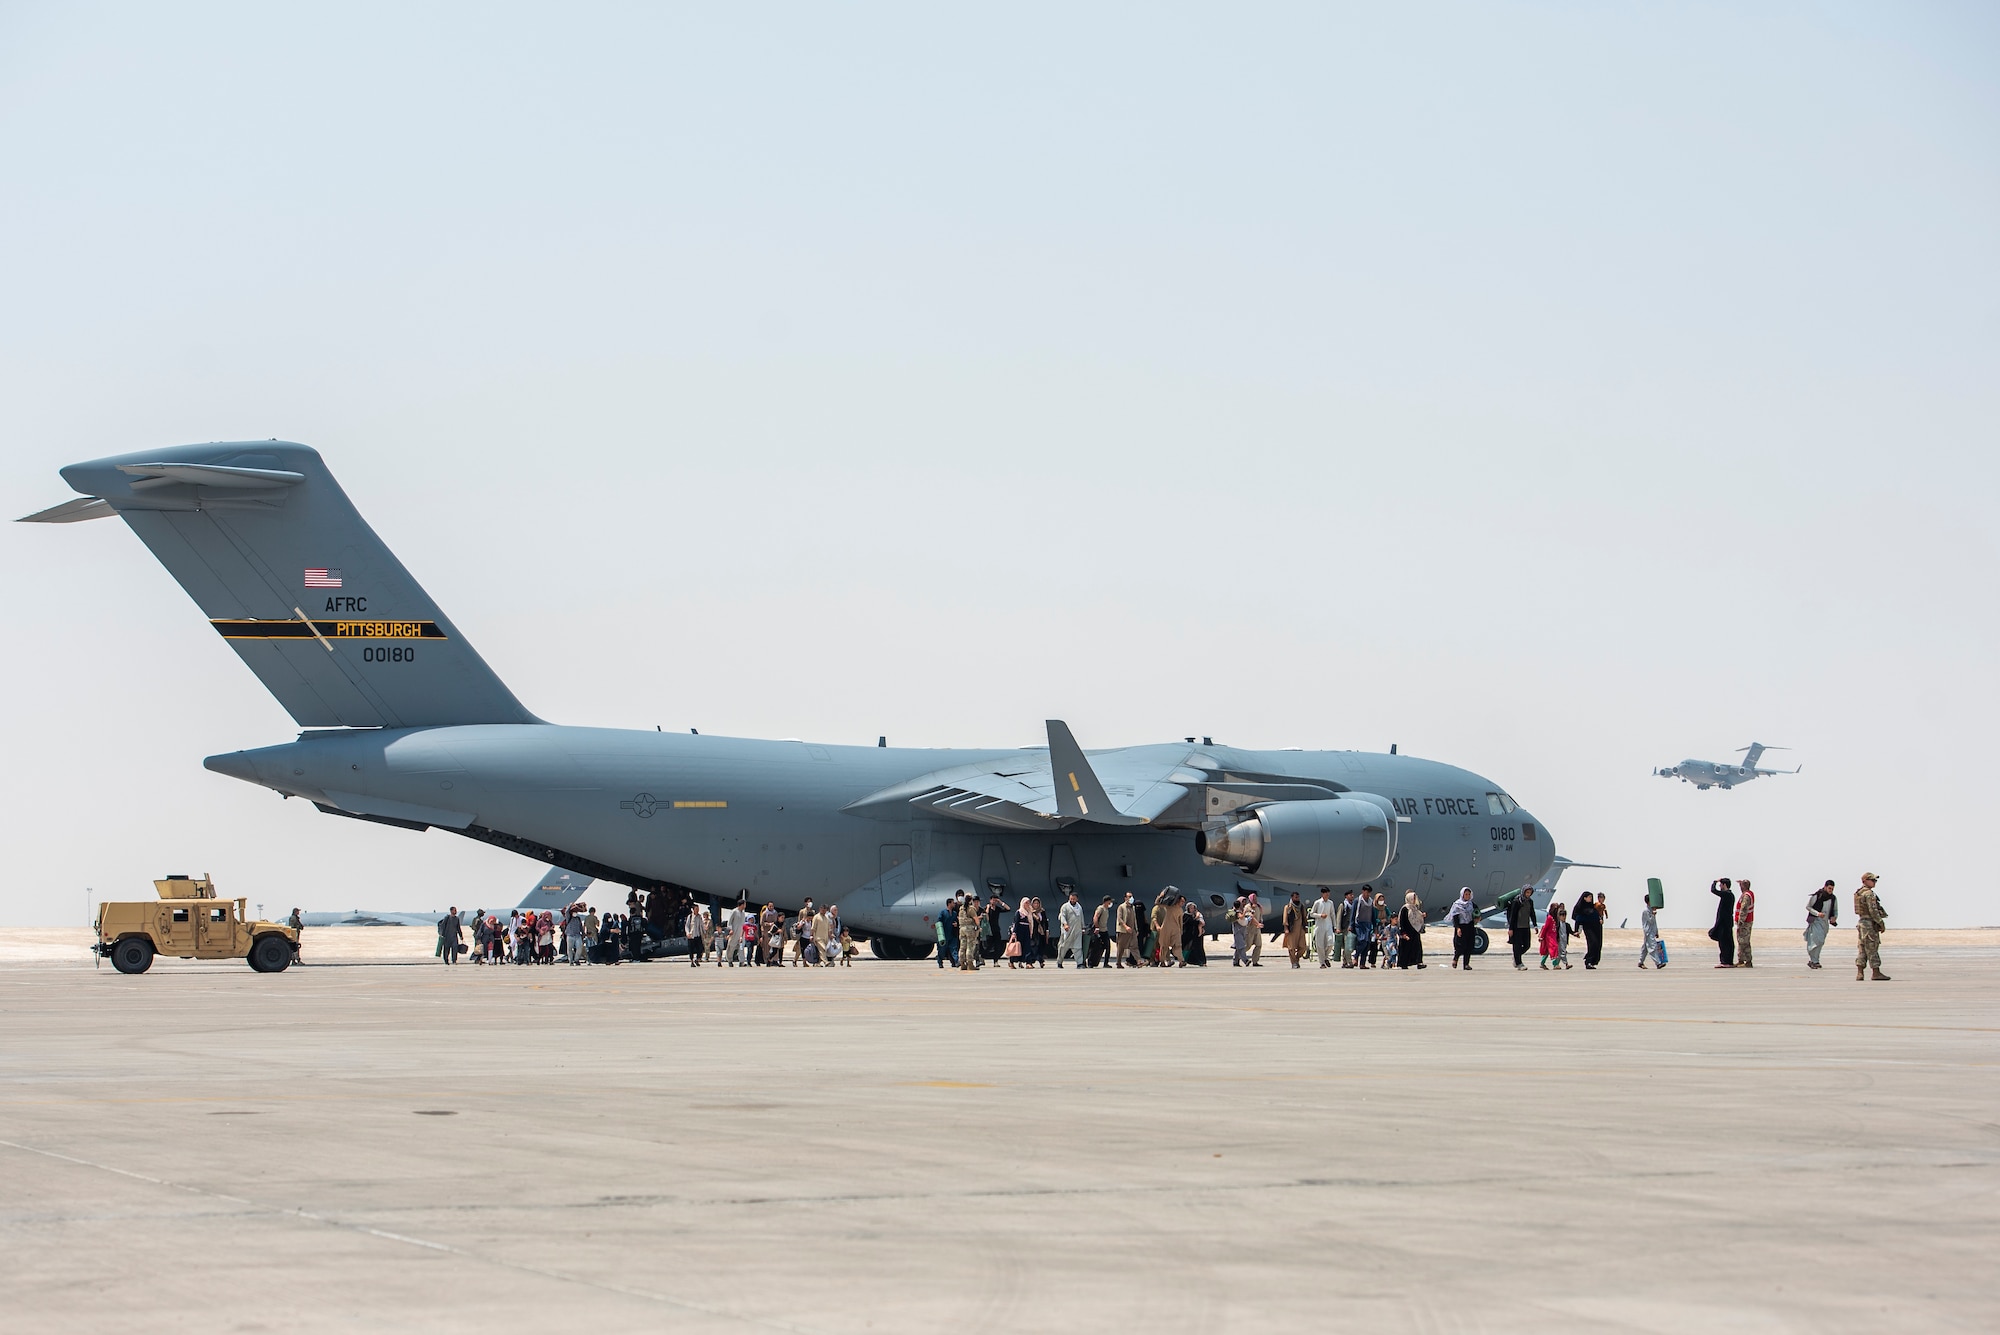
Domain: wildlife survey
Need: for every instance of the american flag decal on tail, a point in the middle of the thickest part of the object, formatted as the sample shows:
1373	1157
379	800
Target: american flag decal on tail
319	578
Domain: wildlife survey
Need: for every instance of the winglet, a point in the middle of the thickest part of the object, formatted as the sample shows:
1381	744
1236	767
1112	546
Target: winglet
1079	795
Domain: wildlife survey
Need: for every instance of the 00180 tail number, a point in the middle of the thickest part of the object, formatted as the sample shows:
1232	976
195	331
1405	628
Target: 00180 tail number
399	654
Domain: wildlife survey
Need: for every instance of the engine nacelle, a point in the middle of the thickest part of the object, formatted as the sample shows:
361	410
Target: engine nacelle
1335	841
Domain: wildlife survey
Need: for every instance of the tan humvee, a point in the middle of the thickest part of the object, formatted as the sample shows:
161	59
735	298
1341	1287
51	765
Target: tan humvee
189	921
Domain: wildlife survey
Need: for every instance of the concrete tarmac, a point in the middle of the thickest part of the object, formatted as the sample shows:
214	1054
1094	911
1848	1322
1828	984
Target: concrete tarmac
374	1145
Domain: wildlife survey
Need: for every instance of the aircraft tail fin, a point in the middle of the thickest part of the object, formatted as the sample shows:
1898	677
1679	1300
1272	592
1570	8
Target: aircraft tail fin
289	573
555	891
1755	752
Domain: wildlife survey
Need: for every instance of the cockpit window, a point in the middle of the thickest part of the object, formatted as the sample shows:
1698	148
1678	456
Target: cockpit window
1499	804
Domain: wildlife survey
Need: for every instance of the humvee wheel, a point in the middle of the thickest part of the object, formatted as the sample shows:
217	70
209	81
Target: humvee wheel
132	955
270	953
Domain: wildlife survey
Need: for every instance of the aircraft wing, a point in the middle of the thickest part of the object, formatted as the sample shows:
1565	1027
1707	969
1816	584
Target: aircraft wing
1136	785
1044	790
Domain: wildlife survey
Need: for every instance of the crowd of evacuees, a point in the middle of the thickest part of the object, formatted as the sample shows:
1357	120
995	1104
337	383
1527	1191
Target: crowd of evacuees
1356	929
970	934
577	935
747	936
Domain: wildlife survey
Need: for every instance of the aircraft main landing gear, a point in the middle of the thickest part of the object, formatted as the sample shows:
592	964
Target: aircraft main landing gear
897	948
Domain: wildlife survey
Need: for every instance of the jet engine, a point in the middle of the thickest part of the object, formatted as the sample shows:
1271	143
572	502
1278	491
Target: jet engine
1336	841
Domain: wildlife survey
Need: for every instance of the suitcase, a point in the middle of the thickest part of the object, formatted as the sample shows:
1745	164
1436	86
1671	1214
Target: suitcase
1656	894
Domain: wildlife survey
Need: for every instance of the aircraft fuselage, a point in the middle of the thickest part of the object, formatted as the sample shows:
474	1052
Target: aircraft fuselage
726	816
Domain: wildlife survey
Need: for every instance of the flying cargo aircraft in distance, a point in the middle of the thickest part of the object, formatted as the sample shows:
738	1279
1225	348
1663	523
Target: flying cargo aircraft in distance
402	723
1713	774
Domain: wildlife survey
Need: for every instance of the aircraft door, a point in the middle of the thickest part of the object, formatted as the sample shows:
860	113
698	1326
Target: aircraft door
1424	877
898	878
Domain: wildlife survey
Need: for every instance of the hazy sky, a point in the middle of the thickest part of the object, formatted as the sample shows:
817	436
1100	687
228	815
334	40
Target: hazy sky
1554	390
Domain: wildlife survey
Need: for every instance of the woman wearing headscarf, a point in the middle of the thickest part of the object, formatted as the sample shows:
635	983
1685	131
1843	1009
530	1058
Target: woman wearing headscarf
1463	916
1410	932
1016	950
1193	950
1590	921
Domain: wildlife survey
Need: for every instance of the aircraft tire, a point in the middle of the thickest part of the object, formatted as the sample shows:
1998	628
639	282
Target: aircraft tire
1479	940
270	954
897	948
132	955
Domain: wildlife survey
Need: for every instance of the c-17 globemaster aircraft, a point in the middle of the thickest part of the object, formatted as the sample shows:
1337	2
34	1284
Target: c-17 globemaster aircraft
1713	774
404	724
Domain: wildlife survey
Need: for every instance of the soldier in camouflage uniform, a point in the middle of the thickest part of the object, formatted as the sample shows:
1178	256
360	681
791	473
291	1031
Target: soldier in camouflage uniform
968	934
1746	918
1869	920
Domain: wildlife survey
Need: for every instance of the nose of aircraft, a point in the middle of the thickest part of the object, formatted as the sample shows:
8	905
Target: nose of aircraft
1545	841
